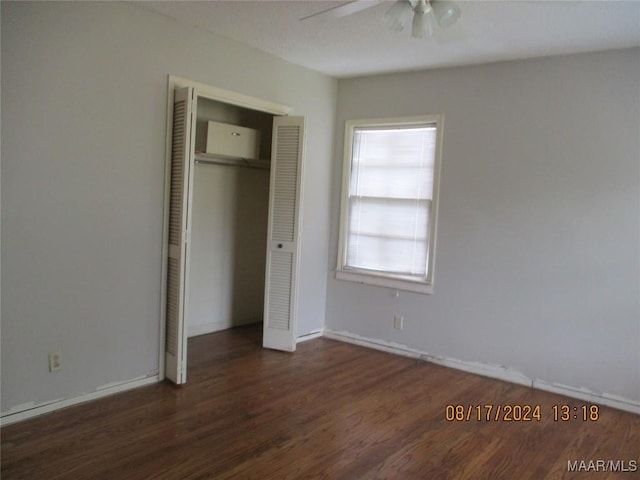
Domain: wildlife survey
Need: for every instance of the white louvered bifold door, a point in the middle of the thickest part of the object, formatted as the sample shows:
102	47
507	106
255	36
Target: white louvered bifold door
282	245
180	197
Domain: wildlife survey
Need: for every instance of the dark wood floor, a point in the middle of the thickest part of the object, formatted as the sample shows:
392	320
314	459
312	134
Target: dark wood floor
329	411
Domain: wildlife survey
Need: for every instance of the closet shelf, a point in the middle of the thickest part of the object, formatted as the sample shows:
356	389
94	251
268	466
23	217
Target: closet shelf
217	159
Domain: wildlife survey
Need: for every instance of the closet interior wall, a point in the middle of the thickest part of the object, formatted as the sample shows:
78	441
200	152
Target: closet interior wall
229	229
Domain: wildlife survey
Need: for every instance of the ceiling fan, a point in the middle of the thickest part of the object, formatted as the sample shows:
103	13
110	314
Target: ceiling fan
422	15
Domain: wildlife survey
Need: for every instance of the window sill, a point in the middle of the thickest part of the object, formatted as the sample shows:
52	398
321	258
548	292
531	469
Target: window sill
389	282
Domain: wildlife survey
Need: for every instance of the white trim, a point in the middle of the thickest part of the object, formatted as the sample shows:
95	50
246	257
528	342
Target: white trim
310	336
231	97
30	410
499	372
196	330
382	280
613	401
165	232
385	281
206	328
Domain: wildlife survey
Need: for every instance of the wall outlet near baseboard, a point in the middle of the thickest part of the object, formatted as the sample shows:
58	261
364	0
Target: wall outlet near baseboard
55	361
398	321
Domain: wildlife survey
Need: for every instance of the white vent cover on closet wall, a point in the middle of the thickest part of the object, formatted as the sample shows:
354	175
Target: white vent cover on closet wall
232	141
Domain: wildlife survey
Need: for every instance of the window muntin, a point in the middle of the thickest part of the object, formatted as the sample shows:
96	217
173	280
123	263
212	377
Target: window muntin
388	217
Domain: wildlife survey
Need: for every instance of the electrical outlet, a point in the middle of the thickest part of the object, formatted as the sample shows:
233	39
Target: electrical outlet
55	361
398	320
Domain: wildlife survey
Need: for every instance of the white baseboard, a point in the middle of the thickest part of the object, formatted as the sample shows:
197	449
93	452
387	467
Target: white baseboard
203	329
310	336
29	410
499	372
609	400
195	330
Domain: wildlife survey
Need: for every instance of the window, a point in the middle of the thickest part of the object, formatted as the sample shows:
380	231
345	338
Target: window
389	202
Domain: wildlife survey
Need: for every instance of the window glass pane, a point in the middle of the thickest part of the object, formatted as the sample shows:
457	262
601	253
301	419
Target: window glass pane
389	237
408	219
389	255
390	193
396	163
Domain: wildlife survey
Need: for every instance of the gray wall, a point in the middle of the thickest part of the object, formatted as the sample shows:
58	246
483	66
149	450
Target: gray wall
228	247
538	259
84	90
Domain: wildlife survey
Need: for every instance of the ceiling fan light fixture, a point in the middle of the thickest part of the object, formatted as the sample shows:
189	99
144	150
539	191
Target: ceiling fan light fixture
422	25
422	15
422	6
397	17
446	13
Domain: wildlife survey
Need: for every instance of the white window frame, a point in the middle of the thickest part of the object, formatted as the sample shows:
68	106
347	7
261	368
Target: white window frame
394	281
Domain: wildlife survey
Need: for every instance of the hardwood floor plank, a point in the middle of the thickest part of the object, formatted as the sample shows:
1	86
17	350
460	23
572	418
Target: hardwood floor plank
329	411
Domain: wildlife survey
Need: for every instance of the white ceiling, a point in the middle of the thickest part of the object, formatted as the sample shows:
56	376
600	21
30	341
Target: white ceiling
359	44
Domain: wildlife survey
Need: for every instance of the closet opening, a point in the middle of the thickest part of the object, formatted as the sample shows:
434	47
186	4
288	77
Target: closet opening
229	218
233	177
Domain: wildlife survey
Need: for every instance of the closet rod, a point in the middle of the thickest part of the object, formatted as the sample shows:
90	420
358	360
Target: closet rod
240	162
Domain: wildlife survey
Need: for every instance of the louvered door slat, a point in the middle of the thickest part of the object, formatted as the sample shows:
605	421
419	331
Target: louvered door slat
280	291
173	280
284	207
177	172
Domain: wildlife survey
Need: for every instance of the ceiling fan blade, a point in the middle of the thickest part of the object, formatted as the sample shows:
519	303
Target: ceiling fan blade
345	9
